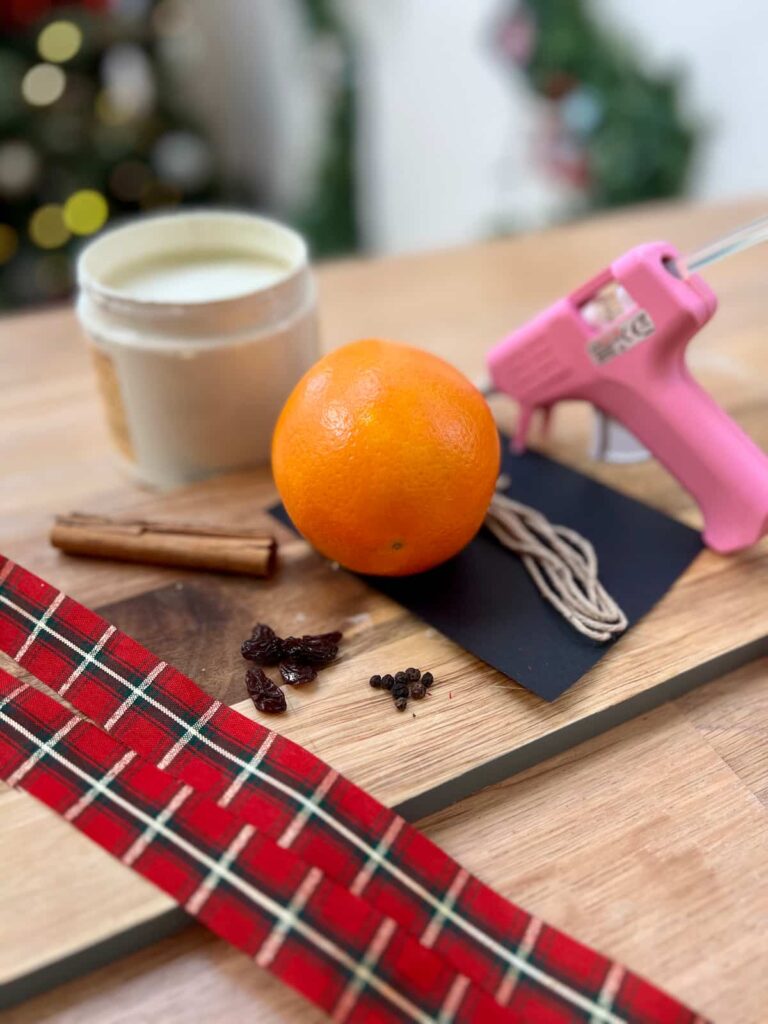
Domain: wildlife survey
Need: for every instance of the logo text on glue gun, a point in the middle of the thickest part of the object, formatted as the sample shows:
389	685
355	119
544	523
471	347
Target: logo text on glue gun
621	339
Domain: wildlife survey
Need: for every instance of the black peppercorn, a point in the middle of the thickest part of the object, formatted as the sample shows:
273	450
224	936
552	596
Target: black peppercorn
401	703
375	682
387	682
412	675
418	690
427	679
399	688
401	677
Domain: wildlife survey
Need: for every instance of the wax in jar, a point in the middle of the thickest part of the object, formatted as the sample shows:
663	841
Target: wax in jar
201	324
196	277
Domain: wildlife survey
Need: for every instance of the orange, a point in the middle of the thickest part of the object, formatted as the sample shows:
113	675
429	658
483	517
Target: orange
386	458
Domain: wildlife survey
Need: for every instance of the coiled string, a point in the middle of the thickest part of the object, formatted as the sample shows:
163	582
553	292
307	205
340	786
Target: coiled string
562	564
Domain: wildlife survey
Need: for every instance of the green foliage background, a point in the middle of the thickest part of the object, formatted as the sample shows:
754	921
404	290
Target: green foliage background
642	146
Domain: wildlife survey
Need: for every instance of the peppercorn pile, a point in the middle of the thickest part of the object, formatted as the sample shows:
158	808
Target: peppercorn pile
299	659
402	685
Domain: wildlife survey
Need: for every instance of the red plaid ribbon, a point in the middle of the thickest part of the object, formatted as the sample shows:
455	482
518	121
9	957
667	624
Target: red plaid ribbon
270	847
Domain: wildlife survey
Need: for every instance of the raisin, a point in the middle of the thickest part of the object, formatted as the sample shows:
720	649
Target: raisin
412	675
400	690
295	674
266	695
427	679
375	682
418	690
332	638
401	703
387	682
315	650
263	646
401	677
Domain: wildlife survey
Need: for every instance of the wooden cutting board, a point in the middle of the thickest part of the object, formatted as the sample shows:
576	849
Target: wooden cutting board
476	728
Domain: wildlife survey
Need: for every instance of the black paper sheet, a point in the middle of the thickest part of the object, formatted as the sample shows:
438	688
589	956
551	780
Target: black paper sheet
484	599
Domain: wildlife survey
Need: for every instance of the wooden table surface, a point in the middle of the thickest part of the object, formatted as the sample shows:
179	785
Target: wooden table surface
649	841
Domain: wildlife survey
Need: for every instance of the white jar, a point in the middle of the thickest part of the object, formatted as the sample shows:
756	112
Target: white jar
201	323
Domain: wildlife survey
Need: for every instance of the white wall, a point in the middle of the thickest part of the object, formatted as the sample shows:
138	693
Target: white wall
451	133
259	94
723	47
447	131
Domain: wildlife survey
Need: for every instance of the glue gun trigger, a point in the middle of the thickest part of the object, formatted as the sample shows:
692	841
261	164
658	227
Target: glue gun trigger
525	422
523	425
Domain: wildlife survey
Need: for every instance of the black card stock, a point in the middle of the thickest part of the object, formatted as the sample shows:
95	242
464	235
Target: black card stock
484	600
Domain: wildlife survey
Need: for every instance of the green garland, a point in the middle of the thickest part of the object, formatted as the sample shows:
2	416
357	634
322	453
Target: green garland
637	145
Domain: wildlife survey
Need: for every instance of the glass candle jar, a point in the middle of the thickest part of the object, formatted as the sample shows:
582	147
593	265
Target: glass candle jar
200	325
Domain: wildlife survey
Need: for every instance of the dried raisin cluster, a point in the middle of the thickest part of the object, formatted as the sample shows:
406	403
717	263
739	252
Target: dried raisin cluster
299	659
402	685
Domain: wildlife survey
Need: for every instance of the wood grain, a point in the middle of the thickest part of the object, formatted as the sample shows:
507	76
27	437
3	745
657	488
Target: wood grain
643	842
473	721
55	455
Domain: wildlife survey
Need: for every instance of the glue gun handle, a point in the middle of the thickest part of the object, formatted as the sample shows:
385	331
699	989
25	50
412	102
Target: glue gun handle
710	455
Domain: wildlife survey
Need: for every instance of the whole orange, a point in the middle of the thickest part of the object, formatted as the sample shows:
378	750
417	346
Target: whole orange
386	458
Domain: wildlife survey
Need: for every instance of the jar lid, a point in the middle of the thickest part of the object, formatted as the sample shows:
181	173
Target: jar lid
195	274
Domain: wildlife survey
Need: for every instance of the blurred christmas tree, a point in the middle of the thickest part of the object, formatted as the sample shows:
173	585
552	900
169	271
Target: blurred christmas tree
613	132
89	131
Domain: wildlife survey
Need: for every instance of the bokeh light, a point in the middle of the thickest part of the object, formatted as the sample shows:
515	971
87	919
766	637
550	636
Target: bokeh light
9	241
47	228
19	168
43	84
183	159
85	212
129	79
59	41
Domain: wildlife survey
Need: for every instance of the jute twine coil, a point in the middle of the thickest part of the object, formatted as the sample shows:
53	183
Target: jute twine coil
562	564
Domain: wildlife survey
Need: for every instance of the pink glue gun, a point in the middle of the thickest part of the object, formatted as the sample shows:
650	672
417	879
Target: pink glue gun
619	342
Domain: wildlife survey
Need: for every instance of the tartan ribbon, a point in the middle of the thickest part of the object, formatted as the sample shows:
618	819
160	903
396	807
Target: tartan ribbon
333	947
487	952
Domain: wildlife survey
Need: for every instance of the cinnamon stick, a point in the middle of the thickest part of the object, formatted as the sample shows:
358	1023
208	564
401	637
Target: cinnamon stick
216	548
